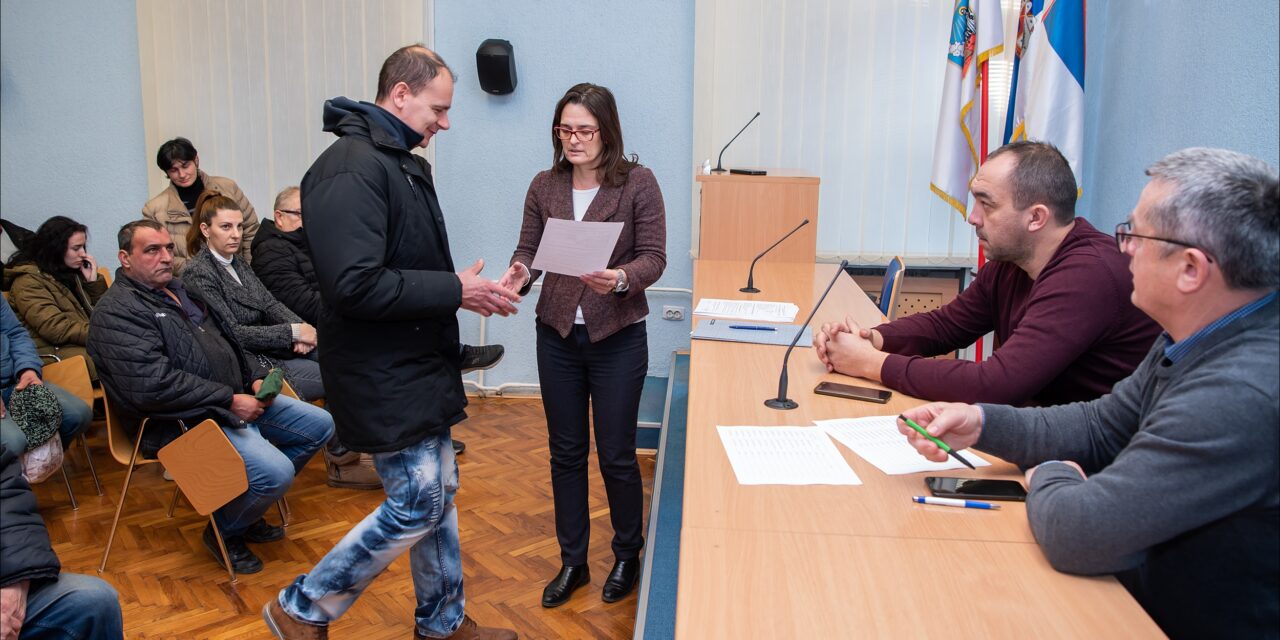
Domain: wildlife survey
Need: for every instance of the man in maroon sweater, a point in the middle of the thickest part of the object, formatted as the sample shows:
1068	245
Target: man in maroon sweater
1056	292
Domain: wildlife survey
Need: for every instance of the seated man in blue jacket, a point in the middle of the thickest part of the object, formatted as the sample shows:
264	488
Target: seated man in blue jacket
36	600
161	352
20	367
1170	481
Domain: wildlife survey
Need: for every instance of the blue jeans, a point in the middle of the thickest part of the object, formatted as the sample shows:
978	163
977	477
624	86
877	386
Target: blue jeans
303	373
275	447
418	515
74	606
76	416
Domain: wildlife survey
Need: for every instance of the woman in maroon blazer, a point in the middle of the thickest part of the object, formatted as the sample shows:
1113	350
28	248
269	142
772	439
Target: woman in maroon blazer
592	344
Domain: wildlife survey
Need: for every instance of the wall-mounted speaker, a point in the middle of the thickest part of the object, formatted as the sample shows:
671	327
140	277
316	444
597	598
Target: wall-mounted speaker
496	63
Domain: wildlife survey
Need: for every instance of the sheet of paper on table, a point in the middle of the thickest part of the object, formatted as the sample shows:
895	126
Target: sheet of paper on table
759	310
785	455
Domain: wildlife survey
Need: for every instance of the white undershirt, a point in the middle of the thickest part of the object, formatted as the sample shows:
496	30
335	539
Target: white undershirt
581	200
226	264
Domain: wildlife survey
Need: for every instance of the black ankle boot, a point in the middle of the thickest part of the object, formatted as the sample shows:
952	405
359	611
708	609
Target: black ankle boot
562	586
242	559
621	580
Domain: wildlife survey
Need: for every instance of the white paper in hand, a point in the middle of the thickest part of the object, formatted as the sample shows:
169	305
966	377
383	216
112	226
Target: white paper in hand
574	248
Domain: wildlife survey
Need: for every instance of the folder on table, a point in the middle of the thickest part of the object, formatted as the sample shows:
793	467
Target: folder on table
722	330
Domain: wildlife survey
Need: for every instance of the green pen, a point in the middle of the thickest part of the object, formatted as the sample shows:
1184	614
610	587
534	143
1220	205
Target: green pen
941	445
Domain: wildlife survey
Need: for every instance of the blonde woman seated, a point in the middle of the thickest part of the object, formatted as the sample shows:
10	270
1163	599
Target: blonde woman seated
264	326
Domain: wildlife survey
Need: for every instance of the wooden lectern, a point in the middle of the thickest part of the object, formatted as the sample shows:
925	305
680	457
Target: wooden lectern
742	215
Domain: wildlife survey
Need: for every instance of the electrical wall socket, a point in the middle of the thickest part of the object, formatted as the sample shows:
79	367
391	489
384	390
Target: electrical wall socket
672	313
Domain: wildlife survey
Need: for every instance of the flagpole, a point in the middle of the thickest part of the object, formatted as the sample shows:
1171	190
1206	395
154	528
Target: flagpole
982	157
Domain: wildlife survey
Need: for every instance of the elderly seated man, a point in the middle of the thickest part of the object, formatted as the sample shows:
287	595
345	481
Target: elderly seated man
161	351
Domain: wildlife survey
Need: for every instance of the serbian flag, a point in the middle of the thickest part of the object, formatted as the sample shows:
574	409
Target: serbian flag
1046	94
977	33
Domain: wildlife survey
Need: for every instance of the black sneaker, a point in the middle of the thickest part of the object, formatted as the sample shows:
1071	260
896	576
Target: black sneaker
261	531
482	357
242	559
458	447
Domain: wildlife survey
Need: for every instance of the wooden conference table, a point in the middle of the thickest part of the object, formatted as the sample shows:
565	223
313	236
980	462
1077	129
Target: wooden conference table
850	561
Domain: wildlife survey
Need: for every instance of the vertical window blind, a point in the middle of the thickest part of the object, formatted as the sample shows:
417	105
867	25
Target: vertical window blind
245	80
849	91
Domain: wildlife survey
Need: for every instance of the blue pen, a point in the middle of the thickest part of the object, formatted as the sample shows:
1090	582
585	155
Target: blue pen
751	327
955	502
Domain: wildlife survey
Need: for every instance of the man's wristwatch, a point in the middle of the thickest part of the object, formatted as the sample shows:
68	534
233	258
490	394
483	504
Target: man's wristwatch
621	287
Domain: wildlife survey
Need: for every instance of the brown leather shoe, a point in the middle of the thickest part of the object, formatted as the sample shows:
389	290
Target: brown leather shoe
355	475
287	627
469	630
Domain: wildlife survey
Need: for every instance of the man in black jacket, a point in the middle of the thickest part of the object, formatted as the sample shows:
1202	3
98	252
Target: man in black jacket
282	260
35	599
162	352
389	346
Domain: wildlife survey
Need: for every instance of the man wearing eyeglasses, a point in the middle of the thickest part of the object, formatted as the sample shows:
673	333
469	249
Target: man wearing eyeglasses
1170	481
1055	293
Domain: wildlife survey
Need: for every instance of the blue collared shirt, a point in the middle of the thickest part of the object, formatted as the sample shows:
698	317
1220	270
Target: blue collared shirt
1176	351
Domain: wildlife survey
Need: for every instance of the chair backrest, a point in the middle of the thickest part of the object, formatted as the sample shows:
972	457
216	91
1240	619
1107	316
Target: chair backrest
71	374
118	440
892	285
105	274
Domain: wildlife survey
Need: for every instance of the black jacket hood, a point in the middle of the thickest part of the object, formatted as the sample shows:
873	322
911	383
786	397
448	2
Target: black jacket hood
344	116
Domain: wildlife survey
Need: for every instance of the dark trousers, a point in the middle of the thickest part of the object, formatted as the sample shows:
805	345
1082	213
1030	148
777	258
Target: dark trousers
610	376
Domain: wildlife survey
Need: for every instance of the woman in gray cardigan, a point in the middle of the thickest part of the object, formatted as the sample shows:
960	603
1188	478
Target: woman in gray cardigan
264	326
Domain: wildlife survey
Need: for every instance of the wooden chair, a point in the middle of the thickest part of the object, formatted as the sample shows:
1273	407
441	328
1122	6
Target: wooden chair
105	274
65	380
893	275
188	468
72	374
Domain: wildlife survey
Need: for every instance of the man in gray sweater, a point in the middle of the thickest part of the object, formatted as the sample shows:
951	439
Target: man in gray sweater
1170	482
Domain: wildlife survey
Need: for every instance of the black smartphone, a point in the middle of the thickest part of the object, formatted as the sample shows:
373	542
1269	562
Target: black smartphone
855	393
976	488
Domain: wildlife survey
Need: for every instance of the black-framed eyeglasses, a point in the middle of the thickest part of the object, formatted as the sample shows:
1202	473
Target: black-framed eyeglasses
296	212
1124	232
585	135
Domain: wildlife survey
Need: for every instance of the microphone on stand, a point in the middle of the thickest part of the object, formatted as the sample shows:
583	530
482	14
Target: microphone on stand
720	168
751	273
782	401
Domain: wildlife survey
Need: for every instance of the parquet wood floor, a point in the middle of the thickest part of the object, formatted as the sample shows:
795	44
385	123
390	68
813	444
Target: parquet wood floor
170	587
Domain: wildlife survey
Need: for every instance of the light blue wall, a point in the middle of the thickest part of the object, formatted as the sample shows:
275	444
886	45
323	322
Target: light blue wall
71	138
1163	76
642	51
